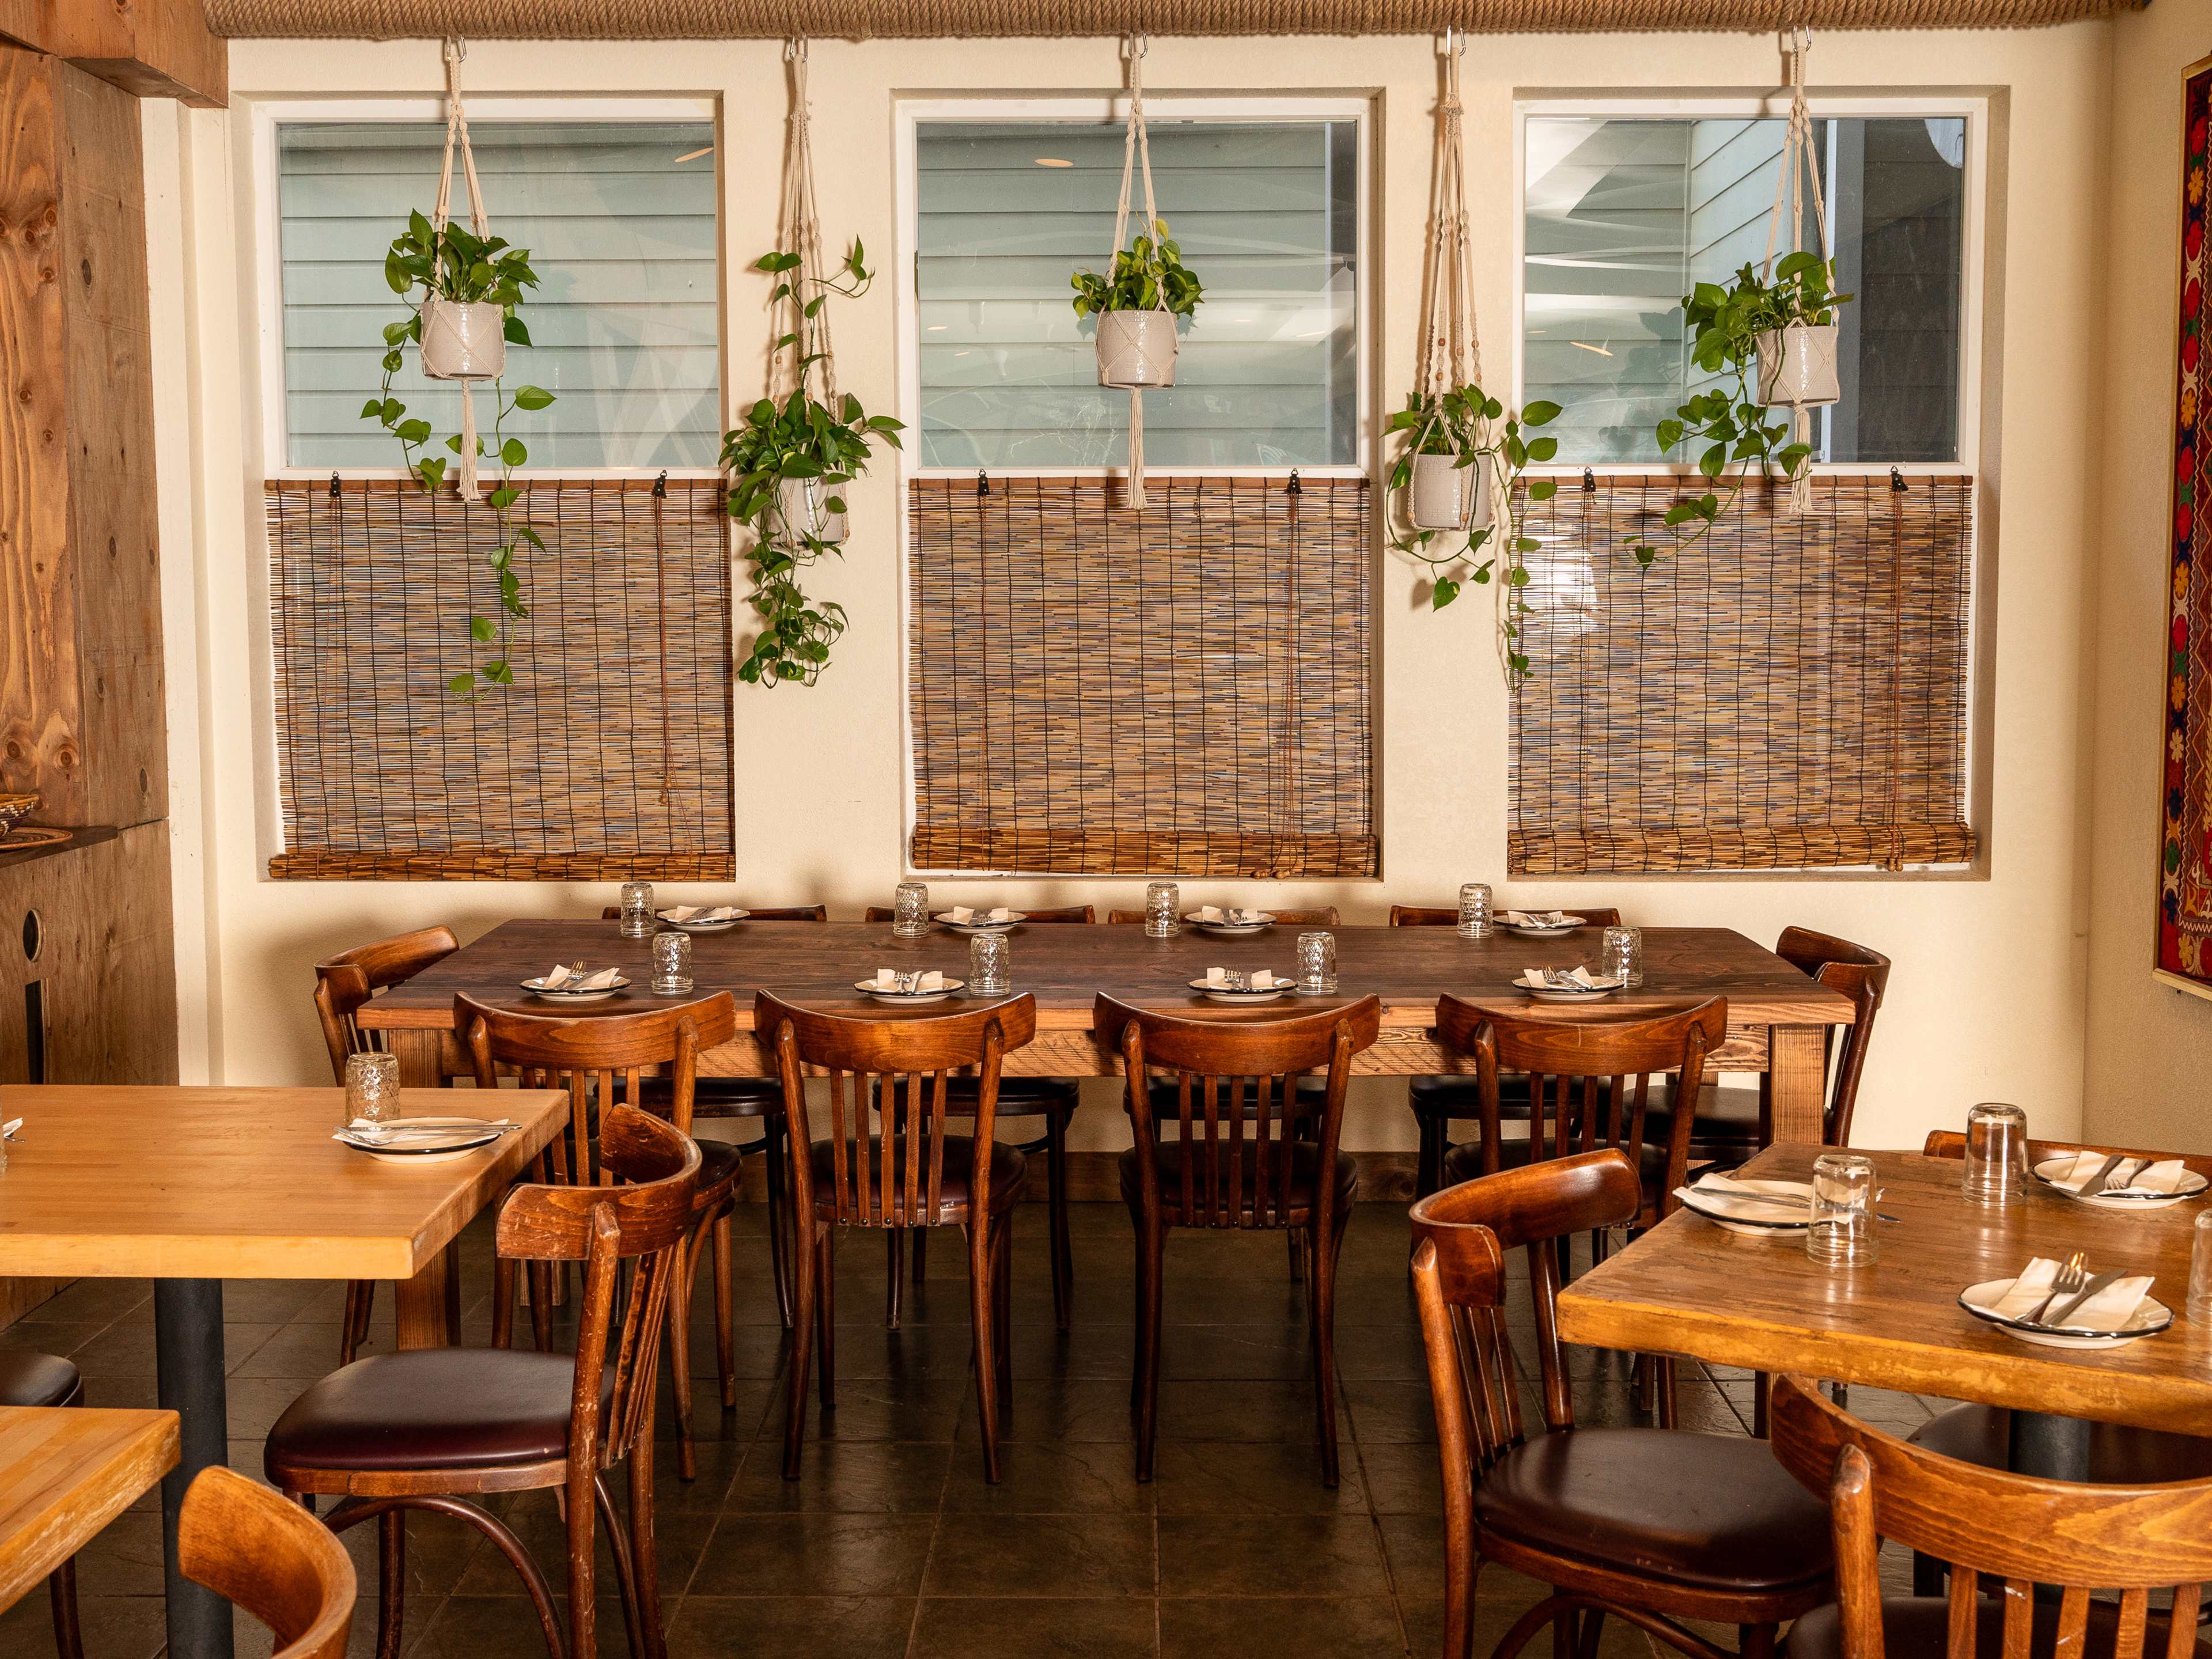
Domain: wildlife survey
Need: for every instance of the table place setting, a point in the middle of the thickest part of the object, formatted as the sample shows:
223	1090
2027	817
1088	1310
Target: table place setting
422	1139
928	985
1539	923
960	919
1229	985
2116	1181
703	918
1232	922
569	982
2066	1306
1751	1208
1576	984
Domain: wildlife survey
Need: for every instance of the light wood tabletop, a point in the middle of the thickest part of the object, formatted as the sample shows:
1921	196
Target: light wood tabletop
1689	1287
66	1472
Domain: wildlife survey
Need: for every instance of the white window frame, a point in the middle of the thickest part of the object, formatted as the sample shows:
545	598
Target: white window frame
483	110
982	106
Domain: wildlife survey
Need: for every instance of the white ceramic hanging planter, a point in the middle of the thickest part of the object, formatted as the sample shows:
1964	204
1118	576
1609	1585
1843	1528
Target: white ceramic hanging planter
464	341
1797	366
803	504
1136	348
1445	496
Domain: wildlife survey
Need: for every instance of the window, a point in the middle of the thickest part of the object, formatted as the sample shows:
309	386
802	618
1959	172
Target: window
1625	214
620	217
1267	211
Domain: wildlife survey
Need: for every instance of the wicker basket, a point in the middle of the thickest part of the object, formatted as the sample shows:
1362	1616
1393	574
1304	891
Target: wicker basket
463	342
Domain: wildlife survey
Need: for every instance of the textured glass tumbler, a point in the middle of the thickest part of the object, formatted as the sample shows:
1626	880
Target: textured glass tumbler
1620	955
372	1088
636	910
1161	900
671	963
1316	961
1997	1154
1842	1233
1474	909
2200	1268
990	965
910	909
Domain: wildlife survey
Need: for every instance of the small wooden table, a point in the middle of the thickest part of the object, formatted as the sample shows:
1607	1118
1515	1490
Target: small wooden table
66	1473
1689	1287
1779	1018
189	1187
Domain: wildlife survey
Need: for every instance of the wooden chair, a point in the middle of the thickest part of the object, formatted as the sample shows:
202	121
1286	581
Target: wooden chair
758	1099
343	983
1052	1098
433	1427
1237	1166
1440	1101
1650	1525
45	1379
889	1163
2023	1531
602	1058
238	1538
1325	916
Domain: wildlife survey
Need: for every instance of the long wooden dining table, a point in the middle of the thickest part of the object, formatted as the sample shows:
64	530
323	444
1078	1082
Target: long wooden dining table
1779	1019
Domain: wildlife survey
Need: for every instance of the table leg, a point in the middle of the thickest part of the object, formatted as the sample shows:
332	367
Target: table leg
421	1306
1797	1074
421	1057
189	1367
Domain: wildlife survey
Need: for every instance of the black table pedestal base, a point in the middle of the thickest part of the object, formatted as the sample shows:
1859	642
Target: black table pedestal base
188	1344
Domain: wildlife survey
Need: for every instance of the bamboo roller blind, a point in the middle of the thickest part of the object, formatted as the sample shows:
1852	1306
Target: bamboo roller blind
1790	693
1179	691
386	775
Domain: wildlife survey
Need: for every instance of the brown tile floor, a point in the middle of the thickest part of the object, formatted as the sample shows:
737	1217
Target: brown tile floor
891	1543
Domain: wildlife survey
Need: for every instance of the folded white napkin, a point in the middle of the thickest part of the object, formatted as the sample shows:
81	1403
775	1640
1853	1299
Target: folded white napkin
1580	975
562	979
1235	916
961	916
887	978
1534	918
2107	1310
1258	979
2134	1175
12	1128
1755	1200
700	912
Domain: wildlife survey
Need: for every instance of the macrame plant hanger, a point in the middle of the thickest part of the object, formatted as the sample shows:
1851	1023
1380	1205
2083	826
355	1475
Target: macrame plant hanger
808	336
457	138
1451	346
1798	157
1136	156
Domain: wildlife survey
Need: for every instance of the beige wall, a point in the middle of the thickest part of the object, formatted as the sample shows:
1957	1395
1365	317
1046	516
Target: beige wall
1989	991
2150	1075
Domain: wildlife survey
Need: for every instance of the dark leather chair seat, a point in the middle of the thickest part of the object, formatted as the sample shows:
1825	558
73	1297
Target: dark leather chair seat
718	1162
1726	1125
432	1408
1710	1511
1305	1163
1917	1627
37	1379
1459	1099
1009	1170
1464	1161
2118	1456
1311	1096
723	1097
1018	1097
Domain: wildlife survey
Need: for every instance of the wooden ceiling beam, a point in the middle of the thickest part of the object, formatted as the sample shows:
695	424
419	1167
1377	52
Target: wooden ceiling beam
149	48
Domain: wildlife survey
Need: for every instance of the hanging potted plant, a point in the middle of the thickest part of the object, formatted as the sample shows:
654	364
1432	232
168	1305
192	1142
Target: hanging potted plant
471	284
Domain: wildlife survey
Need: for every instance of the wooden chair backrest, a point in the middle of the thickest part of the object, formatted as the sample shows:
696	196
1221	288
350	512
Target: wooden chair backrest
1209	1062
260	1552
904	1187
1325	916
1070	913
789	913
346	981
1864	977
1420	915
641	1221
1612	1058
1949	1143
2020	1528
613	1051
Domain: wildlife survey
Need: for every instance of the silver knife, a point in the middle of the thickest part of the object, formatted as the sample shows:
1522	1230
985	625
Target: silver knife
2094	1285
2096	1183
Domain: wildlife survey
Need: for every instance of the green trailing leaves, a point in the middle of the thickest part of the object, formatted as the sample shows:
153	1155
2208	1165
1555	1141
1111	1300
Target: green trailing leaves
1149	274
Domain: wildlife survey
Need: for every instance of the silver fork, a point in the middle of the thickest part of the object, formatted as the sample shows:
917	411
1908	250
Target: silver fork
2072	1278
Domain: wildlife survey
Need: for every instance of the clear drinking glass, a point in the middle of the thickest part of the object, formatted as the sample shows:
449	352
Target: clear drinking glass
636	910
2200	1268
1316	961
671	963
1161	903
1620	955
910	909
372	1088
990	965
1842	1233
1997	1154
1474	909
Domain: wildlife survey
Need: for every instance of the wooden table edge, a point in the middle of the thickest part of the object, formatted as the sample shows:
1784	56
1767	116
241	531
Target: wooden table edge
140	1462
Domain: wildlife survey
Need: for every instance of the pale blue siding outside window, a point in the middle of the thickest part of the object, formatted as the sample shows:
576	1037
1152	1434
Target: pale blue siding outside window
1266	214
619	217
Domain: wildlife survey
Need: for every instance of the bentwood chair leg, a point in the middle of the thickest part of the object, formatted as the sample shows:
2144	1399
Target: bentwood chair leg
725	1337
1755	1641
1298	1254
619	1541
1002	1312
541	1305
61	1591
825	1313
894	1273
982	1298
1323	1299
1152	1248
391	1581
1063	1247
1663	1377
644	1550
679	1356
502	1303
779	1218
1593	1627
577	1511
802	1354
359	1298
1429	1168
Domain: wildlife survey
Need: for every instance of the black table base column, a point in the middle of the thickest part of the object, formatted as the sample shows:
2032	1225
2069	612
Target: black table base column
188	1345
2056	1448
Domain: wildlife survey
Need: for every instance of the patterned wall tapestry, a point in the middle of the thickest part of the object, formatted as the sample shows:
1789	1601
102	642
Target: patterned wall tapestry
2185	898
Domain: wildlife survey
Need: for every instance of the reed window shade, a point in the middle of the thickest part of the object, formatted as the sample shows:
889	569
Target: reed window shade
1792	692
608	757
1183	691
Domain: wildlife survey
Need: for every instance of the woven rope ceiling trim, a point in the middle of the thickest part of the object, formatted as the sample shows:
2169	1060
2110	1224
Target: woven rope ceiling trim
715	20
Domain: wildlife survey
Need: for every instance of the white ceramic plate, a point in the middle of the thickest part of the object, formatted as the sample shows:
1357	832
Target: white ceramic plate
460	1137
537	987
1232	929
2151	1316
1551	993
910	999
2192	1186
1215	993
1528	931
1709	1205
1014	919
721	926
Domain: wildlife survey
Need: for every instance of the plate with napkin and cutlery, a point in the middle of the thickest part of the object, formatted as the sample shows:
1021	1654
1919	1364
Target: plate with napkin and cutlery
1229	985
1229	923
570	982
703	918
889	985
960	919
1539	923
2067	1307
1751	1208
1575	984
2113	1181
422	1140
